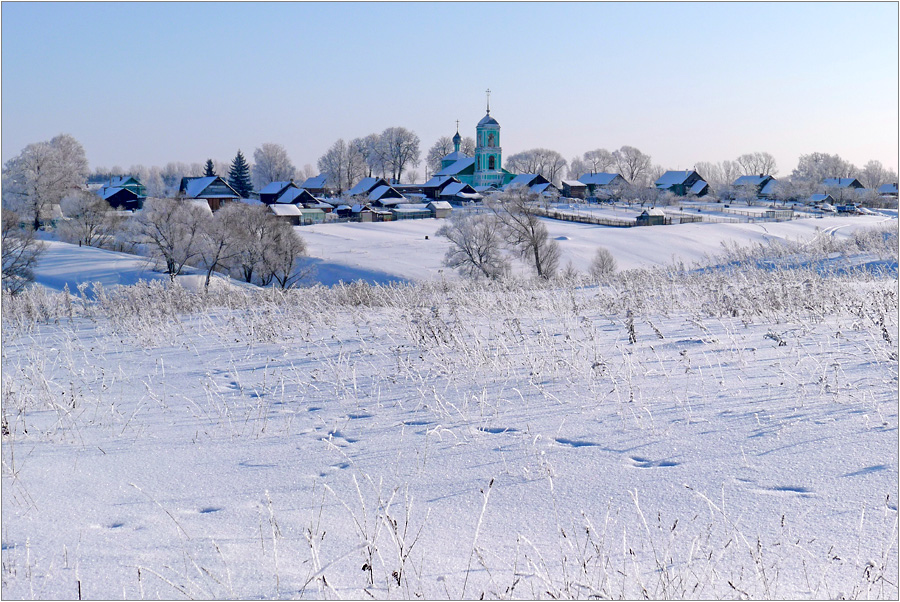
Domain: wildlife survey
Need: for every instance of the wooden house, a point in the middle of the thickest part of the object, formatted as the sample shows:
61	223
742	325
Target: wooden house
653	217
600	184
765	185
440	209
121	198
317	185
573	189
212	189
682	183
289	213
270	193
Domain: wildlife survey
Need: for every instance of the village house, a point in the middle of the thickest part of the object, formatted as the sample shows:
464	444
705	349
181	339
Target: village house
212	189
573	189
600	183
683	183
534	182
765	185
123	192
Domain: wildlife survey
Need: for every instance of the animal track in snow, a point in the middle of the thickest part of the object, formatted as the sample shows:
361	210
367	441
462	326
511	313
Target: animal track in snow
640	462
576	443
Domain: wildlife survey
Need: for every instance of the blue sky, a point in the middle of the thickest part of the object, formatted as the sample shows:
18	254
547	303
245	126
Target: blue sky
155	82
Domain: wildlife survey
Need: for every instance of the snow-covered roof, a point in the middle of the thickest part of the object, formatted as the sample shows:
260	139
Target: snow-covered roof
292	195
770	187
574	184
275	187
120	181
380	192
671	178
455	168
196	186
541	188
485	188
318	181
439	205
524	179
452	189
698	186
754	180
410	207
364	186
487	120
841	182
319	204
437	181
455	156
655	211
106	193
820	198
888	189
598	179
283	210
342	207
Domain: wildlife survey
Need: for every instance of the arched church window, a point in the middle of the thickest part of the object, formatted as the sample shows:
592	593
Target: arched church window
491	162
491	140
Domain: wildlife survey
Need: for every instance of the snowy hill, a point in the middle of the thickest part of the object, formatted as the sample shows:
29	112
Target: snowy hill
703	434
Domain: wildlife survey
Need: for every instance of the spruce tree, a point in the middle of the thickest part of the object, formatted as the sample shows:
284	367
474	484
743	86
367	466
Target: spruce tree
210	169
239	176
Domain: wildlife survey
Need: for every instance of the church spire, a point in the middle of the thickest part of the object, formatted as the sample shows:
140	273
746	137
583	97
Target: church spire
457	138
488	101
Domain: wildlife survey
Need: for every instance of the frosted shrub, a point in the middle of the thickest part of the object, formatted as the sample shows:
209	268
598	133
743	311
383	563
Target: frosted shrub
603	265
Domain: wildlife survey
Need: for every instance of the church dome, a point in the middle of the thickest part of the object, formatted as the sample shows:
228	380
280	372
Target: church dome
457	138
487	120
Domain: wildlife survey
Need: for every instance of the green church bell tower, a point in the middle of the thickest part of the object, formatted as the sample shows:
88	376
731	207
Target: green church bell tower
488	153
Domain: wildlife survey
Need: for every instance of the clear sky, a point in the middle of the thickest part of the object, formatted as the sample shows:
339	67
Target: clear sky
149	83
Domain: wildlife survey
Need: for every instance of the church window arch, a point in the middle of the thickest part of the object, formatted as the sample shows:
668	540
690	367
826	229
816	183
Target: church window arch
491	162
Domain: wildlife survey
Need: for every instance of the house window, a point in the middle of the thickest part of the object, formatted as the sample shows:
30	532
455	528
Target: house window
491	162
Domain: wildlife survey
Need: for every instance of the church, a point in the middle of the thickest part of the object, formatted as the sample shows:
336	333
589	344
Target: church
484	169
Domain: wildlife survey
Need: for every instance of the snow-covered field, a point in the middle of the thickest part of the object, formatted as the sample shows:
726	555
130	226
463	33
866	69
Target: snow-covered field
393	251
668	434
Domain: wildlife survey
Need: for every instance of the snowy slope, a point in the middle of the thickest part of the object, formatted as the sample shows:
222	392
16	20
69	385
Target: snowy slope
455	441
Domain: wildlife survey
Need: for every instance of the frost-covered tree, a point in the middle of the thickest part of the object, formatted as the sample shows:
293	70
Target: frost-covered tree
476	245
633	165
467	146
281	256
217	239
344	164
239	176
874	174
543	161
525	232
819	166
399	149
577	168
251	238
599	161
210	169
20	252
171	231
271	164
376	161
757	164
89	220
36	180
603	265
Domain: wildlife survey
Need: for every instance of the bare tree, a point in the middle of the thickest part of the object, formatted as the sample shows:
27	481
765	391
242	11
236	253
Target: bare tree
439	150
271	164
632	164
399	149
599	160
476	245
374	152
819	166
281	255
20	252
89	220
577	168
217	239
874	174
171	231
252	238
344	164
603	265
524	231
543	161
467	146
757	164
41	175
